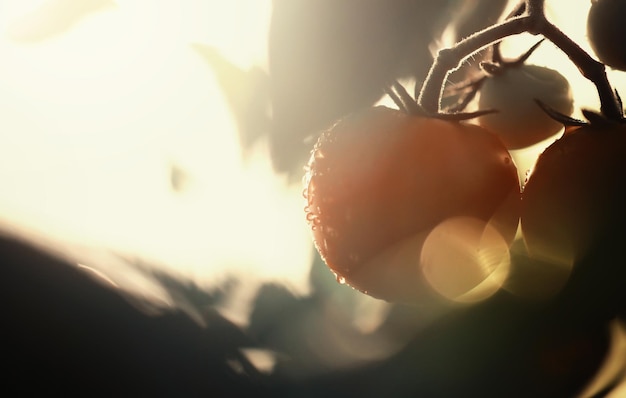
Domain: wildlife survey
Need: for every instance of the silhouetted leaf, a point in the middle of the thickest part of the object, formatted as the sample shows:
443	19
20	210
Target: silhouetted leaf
328	58
245	91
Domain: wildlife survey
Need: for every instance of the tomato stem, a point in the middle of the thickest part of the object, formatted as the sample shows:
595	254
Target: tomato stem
533	20
449	59
588	67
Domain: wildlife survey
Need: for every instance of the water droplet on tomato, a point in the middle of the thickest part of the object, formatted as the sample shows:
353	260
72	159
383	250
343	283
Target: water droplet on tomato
331	232
354	257
526	177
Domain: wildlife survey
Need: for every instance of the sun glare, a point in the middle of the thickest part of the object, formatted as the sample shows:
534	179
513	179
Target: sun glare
116	134
100	103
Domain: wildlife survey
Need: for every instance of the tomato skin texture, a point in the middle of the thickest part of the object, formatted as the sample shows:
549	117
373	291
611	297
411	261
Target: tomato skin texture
606	31
520	122
576	194
381	176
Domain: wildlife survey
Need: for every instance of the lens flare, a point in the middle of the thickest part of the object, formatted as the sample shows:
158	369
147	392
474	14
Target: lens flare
465	259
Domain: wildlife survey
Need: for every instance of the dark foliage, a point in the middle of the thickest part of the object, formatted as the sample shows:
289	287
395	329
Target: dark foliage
329	58
65	333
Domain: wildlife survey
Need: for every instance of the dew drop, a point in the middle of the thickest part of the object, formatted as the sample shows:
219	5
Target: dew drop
331	232
526	177
310	217
340	279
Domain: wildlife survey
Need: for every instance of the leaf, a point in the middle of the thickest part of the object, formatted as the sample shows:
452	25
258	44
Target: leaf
246	92
329	58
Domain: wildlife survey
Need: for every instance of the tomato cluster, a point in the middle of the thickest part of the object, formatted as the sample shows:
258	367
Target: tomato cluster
381	182
424	204
399	200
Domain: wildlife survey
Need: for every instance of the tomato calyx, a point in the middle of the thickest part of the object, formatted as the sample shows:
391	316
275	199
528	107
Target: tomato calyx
570	123
498	65
407	104
567	121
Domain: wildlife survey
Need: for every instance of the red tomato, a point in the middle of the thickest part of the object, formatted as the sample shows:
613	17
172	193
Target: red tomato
380	180
606	31
576	194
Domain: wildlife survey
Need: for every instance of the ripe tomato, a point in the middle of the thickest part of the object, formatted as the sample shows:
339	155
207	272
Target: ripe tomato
606	31
380	180
520	122
576	194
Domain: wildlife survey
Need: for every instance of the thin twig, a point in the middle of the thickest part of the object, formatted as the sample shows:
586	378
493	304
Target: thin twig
396	100
533	21
588	67
449	59
408	101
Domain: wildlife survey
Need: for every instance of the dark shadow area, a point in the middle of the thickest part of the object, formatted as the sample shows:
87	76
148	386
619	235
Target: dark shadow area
65	333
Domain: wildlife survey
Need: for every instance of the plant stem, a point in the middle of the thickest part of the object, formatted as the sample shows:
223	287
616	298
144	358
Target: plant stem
532	21
449	59
588	67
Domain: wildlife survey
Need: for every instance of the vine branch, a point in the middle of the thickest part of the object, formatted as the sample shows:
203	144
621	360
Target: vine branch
533	20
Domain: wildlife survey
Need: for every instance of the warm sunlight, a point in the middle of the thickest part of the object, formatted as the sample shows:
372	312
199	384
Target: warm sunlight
103	107
158	148
118	135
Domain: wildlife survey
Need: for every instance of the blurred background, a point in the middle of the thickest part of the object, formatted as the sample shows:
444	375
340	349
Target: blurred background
144	138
